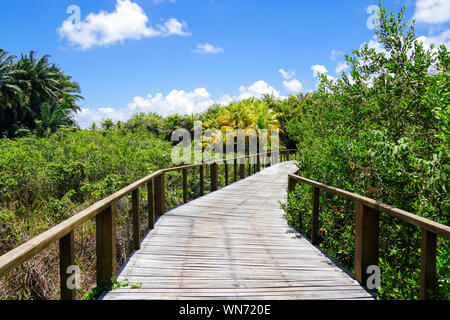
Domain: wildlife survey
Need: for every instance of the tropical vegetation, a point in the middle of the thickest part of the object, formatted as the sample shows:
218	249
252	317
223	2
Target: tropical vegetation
381	129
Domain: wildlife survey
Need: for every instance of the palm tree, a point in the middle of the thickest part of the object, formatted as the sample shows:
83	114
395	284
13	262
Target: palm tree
11	94
53	117
107	124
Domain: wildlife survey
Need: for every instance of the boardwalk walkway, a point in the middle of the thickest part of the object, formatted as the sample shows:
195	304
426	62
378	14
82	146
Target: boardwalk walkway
234	244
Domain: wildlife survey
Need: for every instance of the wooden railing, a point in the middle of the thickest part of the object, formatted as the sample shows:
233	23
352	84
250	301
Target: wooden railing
105	212
367	232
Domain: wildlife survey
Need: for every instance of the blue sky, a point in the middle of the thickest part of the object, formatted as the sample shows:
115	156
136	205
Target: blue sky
183	55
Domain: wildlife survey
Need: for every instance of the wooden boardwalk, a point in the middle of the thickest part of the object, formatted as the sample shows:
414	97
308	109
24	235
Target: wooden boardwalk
234	244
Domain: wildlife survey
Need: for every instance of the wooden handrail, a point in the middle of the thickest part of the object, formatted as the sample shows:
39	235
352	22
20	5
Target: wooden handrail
367	231
105	212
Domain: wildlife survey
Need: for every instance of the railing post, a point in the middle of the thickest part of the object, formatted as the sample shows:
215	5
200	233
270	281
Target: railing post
291	188
315	217
135	219
226	172
160	195
258	163
202	181
151	211
427	264
185	198
66	259
106	245
242	170
249	166
367	231
235	170
214	176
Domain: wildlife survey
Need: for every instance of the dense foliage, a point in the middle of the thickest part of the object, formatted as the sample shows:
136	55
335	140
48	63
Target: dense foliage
35	96
381	131
44	181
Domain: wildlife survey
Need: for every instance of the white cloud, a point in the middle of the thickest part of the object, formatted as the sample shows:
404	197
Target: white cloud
341	67
320	69
317	68
293	86
128	21
335	54
432	11
177	101
257	90
443	38
286	74
207	48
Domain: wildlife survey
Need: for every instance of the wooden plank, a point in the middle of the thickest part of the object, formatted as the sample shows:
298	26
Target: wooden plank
427	264
106	245
66	259
234	244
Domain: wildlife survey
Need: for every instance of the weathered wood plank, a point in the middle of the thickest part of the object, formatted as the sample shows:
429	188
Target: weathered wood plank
234	244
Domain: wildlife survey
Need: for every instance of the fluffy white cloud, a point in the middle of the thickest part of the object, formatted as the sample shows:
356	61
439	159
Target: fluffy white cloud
128	21
293	85
177	101
257	90
85	117
286	74
341	67
207	48
317	68
437	40
320	69
432	11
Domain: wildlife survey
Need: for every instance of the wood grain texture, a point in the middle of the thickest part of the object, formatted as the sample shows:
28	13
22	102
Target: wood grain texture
234	244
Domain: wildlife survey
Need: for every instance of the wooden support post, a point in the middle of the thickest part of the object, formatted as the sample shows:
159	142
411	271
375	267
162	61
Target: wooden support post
258	163
427	264
202	181
151	210
66	259
160	195
226	173
315	217
214	176
291	188
106	245
242	169
135	219
235	170
249	166
367	231
185	195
